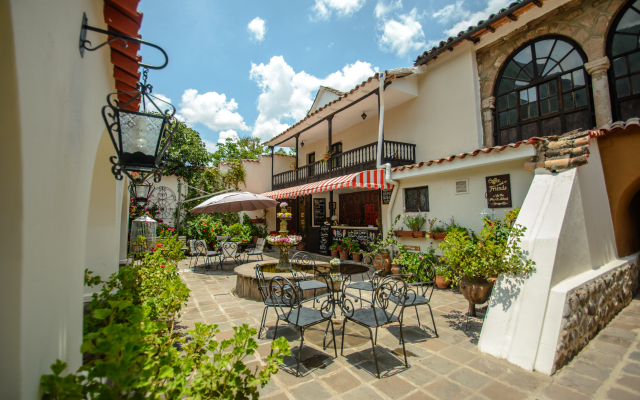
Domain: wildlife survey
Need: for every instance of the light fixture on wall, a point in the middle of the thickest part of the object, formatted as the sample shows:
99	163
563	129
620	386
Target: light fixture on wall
301	144
364	116
136	135
141	192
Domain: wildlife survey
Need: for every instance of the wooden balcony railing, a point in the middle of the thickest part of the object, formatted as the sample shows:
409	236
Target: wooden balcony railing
359	159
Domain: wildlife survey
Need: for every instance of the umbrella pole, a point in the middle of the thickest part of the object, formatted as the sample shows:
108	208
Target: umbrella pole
179	204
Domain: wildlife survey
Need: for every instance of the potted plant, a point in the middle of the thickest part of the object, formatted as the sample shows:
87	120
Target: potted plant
441	280
453	226
326	156
354	250
431	222
413	221
494	251
357	256
302	246
334	249
344	252
439	231
293	166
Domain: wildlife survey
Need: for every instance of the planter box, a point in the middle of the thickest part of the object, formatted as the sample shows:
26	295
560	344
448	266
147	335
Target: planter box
439	235
257	221
414	234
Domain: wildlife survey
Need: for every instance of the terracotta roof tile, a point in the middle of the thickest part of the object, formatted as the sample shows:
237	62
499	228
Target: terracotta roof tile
558	153
484	150
332	90
343	96
122	16
614	126
473	33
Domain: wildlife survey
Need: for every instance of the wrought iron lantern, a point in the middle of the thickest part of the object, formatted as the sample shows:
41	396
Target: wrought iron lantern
141	192
137	135
140	138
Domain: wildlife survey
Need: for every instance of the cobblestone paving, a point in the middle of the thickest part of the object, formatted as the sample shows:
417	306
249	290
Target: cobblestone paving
448	367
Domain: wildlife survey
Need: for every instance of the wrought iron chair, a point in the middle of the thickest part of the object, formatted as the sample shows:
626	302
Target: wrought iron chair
229	251
193	251
368	286
382	312
417	292
202	251
256	251
286	296
301	263
263	289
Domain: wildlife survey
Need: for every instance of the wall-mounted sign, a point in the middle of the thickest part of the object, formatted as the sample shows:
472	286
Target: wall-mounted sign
319	211
498	191
386	196
412	248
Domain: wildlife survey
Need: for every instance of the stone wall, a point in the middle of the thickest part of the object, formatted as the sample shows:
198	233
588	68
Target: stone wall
590	307
585	22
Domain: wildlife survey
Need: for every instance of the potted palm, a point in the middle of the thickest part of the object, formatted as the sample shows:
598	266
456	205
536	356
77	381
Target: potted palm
473	260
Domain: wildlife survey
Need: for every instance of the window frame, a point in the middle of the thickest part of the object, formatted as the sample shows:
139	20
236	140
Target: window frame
311	155
613	91
536	81
336	162
406	198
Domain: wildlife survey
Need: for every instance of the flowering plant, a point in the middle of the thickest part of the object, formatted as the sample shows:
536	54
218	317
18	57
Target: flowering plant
284	215
335	245
335	261
327	155
414	221
291	239
284	204
432	222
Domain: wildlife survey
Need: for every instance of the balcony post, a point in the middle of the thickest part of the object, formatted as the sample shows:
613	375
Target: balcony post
297	136
272	166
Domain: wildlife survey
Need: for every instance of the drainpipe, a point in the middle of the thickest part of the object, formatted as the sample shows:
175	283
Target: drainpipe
387	166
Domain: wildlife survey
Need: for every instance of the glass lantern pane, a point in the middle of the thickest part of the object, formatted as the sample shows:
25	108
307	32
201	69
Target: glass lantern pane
140	134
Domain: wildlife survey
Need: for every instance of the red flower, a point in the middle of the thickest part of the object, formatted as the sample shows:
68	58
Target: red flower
159	245
162	266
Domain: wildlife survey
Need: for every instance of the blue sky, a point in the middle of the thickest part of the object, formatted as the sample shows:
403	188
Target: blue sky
253	67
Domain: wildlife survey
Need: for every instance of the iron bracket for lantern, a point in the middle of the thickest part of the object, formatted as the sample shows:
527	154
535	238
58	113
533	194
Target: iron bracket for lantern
84	43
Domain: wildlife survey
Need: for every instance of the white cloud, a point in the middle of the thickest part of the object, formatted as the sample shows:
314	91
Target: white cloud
230	134
257	28
402	36
210	145
287	94
384	8
466	19
452	12
343	8
212	110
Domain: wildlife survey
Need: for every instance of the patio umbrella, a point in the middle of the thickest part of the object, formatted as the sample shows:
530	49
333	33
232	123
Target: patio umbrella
234	202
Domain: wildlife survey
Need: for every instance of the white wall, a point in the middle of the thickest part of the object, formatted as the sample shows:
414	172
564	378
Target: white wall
465	208
569	232
51	106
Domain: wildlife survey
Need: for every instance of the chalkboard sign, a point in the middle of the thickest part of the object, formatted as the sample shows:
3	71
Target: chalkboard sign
357	235
319	211
325	230
498	191
386	196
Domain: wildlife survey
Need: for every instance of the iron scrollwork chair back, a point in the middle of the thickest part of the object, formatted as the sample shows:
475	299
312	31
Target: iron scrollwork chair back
230	250
286	296
305	262
389	287
367	286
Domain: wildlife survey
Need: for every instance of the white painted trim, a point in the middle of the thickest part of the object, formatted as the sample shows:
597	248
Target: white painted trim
524	152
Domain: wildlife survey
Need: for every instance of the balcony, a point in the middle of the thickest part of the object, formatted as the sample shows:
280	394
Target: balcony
360	159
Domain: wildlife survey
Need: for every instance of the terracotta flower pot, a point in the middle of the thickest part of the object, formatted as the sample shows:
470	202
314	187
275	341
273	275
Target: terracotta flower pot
334	253
357	257
396	269
383	262
476	292
442	282
302	247
344	255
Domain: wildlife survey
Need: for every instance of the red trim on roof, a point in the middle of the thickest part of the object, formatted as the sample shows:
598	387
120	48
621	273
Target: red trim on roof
484	150
122	16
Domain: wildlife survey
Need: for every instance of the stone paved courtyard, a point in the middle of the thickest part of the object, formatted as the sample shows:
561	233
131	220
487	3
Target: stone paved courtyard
448	367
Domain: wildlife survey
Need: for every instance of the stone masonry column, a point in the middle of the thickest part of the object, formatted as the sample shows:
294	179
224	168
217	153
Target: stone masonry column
488	105
600	86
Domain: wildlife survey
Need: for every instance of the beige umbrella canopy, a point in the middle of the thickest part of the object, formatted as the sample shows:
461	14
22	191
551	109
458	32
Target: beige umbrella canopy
234	202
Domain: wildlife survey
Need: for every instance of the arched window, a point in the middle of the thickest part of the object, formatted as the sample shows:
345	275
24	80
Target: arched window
542	90
624	52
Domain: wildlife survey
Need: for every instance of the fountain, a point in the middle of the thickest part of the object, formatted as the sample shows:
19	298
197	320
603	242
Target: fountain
284	240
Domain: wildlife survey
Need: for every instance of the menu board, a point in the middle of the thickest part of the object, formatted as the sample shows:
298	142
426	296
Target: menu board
319	211
386	196
498	191
325	230
357	235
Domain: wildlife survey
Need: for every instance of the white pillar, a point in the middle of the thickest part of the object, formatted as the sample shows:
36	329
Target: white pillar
600	85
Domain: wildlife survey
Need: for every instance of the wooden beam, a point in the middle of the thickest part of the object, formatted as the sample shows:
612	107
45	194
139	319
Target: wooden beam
491	29
512	17
471	39
537	3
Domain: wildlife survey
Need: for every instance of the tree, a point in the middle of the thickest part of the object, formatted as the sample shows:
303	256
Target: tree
291	152
246	147
186	154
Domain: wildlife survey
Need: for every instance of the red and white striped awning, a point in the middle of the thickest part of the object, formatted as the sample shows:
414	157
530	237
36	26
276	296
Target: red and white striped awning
372	179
